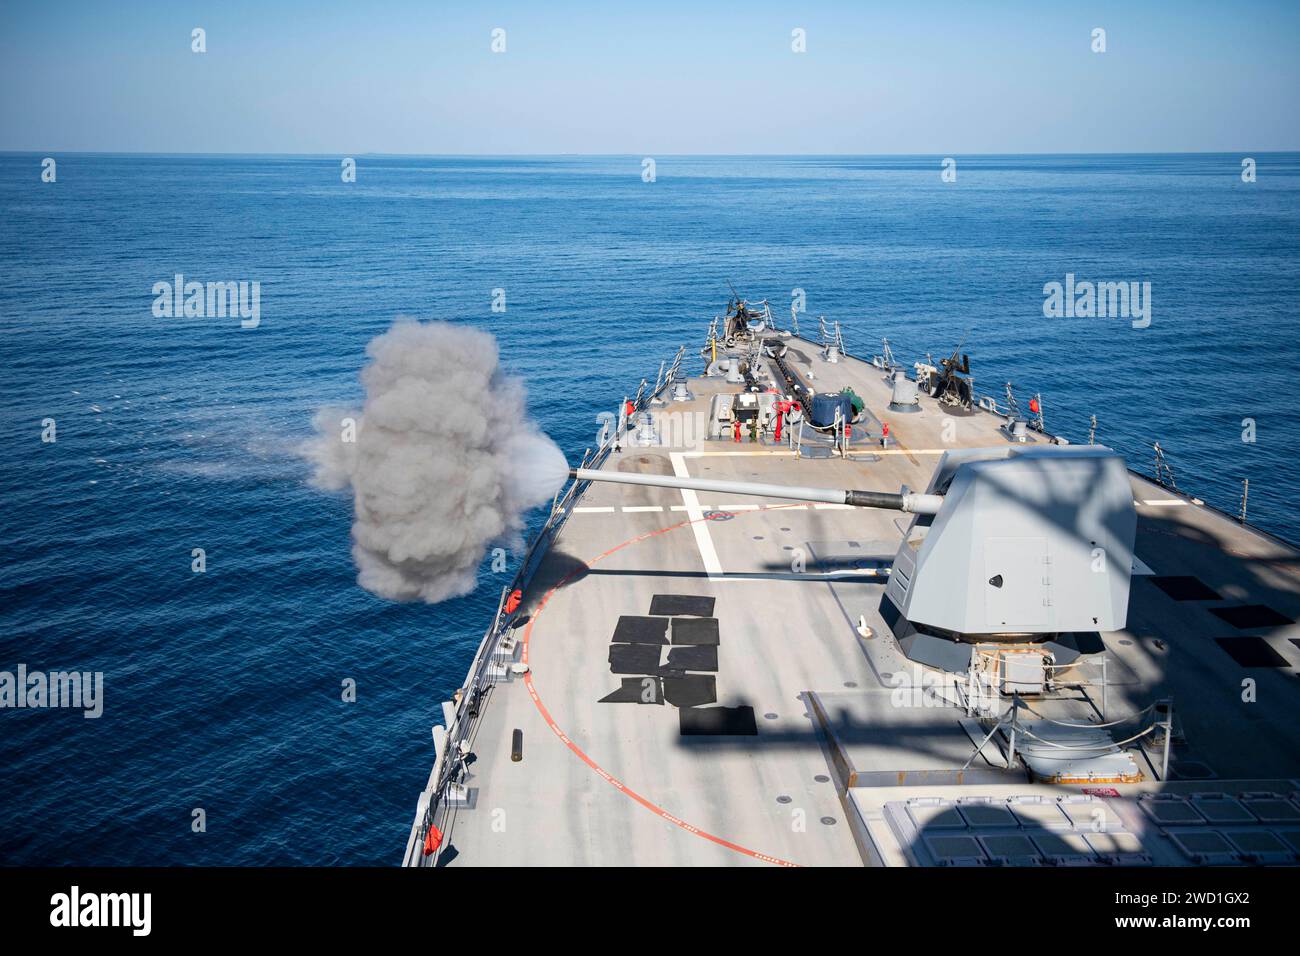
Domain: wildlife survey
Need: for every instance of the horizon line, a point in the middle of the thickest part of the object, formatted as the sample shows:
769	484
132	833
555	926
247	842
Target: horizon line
95	152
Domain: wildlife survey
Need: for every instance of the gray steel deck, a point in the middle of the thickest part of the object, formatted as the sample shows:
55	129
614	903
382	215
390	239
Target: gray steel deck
617	784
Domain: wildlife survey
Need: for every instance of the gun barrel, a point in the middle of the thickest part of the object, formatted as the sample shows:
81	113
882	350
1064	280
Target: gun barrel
915	503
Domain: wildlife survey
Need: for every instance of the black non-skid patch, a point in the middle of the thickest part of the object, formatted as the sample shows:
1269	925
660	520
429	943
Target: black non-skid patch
691	630
690	690
637	690
717	722
633	659
1247	616
691	604
635	629
1184	587
694	657
1251	651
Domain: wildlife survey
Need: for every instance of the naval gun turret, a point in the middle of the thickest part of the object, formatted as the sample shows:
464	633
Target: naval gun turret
1007	545
1032	545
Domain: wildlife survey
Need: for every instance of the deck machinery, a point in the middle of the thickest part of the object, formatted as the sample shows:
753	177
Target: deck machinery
828	591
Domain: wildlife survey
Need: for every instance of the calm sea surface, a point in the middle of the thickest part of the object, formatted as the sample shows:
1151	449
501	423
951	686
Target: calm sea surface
223	689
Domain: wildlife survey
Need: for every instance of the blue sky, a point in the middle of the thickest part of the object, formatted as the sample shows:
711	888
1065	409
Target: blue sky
649	78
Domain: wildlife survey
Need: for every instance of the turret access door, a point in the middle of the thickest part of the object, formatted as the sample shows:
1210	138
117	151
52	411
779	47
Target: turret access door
1017	583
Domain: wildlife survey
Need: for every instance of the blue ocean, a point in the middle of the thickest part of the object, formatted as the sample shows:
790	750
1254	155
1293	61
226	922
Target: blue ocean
223	690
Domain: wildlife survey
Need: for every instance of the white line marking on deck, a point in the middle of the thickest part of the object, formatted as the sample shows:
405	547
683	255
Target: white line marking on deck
733	507
774	453
895	451
643	508
1163	501
700	527
780	453
593	510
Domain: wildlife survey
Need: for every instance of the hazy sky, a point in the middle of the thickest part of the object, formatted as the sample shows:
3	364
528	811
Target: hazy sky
652	77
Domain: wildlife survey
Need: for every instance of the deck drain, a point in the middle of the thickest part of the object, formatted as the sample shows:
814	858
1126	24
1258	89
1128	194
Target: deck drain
822	778
829	821
783	799
769	716
785	529
1126	643
758	537
850	683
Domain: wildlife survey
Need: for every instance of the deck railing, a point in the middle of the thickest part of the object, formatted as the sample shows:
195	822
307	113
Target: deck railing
1161	471
1156	716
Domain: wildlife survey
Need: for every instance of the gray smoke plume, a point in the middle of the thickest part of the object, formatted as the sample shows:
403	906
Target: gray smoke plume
443	464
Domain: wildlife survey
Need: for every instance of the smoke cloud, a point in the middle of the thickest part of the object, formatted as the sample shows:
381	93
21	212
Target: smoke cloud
442	460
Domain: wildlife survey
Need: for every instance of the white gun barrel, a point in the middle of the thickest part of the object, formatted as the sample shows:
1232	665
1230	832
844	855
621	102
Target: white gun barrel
910	502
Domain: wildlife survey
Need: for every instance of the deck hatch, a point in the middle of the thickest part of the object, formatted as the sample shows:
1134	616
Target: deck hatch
1184	587
695	631
690	690
1065	847
717	722
955	850
694	657
634	629
1260	844
1207	846
1251	651
1221	808
1170	809
1292	838
636	690
1248	616
930	814
987	815
633	658
1272	808
691	604
1015	849
1118	845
